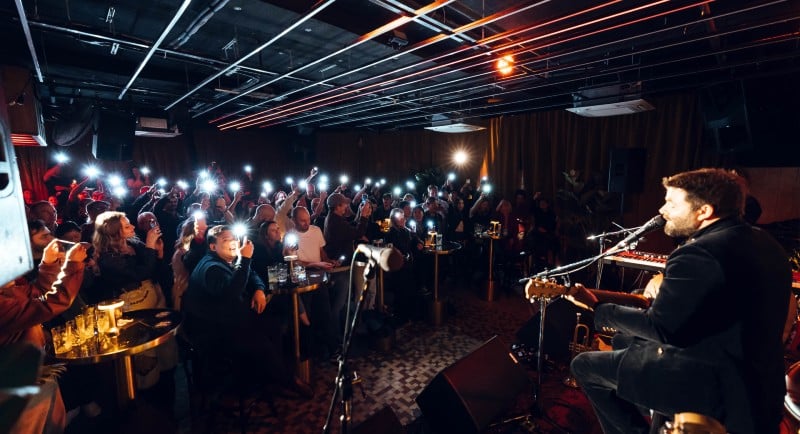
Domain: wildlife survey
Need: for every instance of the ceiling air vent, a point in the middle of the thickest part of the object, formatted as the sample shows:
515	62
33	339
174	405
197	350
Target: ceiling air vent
155	127
443	124
613	100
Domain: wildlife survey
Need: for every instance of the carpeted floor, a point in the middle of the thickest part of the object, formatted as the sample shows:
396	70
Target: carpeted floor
394	378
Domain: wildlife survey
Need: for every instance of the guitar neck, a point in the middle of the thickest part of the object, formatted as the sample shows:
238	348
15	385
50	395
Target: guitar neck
633	300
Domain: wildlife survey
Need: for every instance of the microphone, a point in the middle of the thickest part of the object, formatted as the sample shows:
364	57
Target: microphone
651	225
388	258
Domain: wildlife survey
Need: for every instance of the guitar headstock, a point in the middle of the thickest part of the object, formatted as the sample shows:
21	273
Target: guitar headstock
542	288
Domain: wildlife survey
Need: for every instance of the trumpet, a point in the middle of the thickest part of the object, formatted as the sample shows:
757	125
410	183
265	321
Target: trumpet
579	344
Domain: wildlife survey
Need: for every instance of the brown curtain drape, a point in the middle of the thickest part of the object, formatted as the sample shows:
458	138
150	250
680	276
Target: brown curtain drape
31	171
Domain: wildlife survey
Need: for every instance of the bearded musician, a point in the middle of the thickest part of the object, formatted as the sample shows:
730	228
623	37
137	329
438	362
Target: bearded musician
711	341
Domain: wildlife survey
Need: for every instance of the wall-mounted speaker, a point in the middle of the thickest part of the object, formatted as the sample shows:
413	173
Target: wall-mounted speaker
113	136
724	109
470	394
626	170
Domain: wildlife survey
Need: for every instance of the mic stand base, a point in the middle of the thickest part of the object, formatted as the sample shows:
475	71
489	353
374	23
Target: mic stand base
344	378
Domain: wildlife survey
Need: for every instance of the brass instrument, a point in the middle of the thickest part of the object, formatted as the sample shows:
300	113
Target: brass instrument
580	344
692	423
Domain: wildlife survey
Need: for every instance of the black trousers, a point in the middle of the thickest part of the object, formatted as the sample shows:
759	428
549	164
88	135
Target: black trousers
596	373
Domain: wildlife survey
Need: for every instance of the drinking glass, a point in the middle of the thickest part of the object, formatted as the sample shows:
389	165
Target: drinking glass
61	343
272	274
299	273
84	327
283	273
102	322
71	333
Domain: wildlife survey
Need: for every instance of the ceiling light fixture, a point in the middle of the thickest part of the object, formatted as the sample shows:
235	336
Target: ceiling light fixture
505	64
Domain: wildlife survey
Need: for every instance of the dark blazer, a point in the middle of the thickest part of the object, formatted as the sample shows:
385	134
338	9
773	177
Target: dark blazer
711	341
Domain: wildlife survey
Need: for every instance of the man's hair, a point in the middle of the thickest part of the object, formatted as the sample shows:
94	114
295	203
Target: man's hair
263	228
297	210
213	233
723	189
66	227
395	213
35	226
37	206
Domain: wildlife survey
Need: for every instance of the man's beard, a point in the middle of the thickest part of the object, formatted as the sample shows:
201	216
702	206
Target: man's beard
681	228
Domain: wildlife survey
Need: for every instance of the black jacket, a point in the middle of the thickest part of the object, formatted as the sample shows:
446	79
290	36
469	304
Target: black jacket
711	341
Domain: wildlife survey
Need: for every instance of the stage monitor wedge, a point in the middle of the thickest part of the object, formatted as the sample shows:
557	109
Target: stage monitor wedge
467	396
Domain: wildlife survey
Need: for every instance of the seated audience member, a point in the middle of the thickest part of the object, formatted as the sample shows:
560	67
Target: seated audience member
24	306
69	231
267	251
46	212
340	238
93	209
307	242
385	209
224	307
404	283
128	270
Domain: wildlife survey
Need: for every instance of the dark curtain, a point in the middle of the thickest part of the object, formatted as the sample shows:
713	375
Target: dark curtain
33	165
529	151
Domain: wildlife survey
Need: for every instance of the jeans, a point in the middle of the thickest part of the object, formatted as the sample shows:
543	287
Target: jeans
596	373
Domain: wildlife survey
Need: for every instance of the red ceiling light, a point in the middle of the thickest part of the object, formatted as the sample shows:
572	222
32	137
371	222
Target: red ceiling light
505	64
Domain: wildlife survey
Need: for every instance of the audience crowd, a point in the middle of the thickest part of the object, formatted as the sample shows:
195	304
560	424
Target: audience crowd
204	249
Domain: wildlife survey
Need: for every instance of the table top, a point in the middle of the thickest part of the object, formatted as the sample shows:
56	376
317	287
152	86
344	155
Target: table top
487	235
314	279
148	328
446	248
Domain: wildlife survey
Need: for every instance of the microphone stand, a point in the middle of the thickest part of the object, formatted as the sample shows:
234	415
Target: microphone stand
601	242
344	379
543	302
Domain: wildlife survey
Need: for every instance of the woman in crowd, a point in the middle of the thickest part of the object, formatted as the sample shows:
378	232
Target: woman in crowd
127	270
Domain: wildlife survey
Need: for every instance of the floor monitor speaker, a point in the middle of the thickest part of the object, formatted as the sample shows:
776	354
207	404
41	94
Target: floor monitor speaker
470	394
384	422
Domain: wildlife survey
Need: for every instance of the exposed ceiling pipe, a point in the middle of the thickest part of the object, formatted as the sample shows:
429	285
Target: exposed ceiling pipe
397	22
198	23
317	8
501	48
408	50
426	21
155	46
553	56
27	30
580	79
552	106
206	61
483	21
